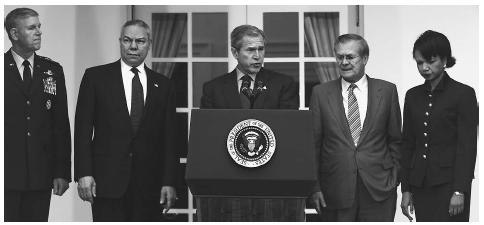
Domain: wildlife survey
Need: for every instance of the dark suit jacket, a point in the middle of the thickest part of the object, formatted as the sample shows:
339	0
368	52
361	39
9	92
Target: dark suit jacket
451	135
376	159
111	153
223	93
32	162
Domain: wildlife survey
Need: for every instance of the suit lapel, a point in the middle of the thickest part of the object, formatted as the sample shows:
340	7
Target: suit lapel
37	75
11	71
374	99
261	77
231	91
117	92
151	84
336	104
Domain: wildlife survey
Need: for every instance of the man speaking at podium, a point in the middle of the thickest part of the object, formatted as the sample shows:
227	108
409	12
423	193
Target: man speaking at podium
250	86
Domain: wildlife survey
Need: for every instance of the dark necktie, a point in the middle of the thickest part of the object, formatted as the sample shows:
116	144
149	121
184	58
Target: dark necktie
245	91
137	100
27	75
353	115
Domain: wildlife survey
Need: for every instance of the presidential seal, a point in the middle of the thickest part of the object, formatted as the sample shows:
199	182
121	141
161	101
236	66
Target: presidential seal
251	143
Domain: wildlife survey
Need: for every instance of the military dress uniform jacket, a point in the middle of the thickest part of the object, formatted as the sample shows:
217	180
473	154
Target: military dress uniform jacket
115	154
439	135
37	133
223	93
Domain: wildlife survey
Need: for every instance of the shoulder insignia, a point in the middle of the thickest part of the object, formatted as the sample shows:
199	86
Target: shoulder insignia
48	60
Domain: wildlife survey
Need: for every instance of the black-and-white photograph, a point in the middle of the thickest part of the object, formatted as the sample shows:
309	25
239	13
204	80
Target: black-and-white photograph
241	113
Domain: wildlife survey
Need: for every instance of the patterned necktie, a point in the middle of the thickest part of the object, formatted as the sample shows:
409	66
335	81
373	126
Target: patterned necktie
353	115
27	75
245	91
137	100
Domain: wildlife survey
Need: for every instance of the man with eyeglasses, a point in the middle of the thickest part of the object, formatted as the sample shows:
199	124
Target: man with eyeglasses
249	85
125	144
357	132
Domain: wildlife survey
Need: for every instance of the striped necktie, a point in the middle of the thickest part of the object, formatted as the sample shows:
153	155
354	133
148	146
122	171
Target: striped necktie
246	92
353	115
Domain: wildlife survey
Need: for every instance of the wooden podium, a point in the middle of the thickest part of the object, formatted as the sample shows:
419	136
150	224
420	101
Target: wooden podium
227	191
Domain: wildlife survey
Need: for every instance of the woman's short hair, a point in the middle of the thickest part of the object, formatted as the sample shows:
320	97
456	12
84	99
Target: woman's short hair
431	43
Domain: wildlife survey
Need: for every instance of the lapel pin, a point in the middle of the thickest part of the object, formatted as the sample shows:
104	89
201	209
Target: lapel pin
156	85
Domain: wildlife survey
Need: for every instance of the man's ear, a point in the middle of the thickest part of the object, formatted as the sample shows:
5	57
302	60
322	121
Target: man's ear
13	33
235	53
365	60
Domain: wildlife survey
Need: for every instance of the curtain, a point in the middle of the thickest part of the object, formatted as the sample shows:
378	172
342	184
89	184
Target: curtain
321	30
168	30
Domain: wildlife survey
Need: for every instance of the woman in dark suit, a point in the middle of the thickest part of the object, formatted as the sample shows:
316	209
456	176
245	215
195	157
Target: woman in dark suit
440	121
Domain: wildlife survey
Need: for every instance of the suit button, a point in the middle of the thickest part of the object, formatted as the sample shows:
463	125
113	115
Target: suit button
28	134
424	156
425	123
28	102
430	96
426	145
28	117
430	104
425	134
427	113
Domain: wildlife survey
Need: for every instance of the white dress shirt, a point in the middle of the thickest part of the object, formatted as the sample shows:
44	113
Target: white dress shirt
19	60
361	94
128	80
239	79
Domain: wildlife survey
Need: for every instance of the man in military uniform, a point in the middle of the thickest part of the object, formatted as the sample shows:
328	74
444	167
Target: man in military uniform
37	134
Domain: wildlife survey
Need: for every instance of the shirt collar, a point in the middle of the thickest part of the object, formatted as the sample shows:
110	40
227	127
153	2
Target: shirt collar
240	74
362	83
19	60
126	67
440	86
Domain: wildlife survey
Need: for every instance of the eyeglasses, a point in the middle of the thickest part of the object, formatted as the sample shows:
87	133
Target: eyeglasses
351	58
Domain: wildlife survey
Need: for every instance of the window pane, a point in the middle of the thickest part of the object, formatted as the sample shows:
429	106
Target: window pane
281	31
203	72
178	72
288	68
210	35
318	72
320	32
169	35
